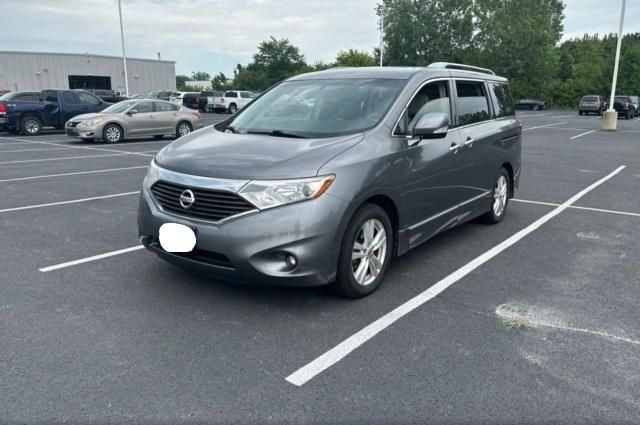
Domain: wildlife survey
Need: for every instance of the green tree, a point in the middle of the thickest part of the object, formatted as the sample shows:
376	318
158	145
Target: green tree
200	76
275	60
418	32
354	57
518	38
180	82
219	82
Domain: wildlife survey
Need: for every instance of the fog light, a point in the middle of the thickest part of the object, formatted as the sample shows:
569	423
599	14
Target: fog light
291	261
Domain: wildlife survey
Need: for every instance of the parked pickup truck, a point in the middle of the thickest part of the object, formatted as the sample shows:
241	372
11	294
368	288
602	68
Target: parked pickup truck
231	102
199	101
54	109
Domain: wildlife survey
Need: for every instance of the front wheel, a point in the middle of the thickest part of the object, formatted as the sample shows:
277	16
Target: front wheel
535	107
112	133
499	198
365	252
233	108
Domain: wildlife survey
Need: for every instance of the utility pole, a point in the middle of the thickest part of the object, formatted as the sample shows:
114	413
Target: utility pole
610	117
124	56
381	34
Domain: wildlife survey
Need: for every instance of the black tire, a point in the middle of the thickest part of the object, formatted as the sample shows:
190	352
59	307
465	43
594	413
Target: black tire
535	107
159	136
183	128
346	283
233	108
112	134
580	112
30	125
627	116
492	216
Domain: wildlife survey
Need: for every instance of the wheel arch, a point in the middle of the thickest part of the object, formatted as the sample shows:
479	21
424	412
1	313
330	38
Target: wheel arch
512	177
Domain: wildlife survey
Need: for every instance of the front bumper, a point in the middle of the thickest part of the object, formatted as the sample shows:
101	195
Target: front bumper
252	249
90	132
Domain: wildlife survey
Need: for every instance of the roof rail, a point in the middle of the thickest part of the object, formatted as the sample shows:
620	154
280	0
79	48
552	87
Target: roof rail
463	67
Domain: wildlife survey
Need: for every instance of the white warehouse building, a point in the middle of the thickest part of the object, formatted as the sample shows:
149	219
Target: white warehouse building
36	71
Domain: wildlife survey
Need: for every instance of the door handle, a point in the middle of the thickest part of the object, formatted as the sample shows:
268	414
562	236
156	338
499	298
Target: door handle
454	148
469	142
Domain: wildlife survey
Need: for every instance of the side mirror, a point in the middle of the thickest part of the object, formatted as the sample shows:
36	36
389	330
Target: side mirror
432	125
132	112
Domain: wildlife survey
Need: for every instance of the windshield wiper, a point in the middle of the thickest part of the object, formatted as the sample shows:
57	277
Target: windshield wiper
278	133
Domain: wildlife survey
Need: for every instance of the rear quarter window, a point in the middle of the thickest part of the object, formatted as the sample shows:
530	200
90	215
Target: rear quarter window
501	100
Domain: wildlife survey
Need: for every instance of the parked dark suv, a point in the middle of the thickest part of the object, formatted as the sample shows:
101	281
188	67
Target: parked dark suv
624	106
592	104
328	175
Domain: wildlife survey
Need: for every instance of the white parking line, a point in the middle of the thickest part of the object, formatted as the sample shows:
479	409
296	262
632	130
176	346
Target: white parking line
543	126
576	207
72	174
582	134
22	161
34	150
73	201
81	147
337	353
88	259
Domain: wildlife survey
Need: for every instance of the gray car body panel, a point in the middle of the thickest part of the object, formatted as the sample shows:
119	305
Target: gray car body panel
425	186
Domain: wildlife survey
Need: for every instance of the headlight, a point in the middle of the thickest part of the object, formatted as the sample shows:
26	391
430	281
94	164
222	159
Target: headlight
89	123
273	193
151	176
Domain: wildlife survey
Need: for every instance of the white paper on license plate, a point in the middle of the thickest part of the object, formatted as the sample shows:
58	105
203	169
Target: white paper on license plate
176	237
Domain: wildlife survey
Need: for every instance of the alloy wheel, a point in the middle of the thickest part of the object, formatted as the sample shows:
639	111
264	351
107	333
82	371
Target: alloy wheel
500	195
369	252
112	134
32	126
184	129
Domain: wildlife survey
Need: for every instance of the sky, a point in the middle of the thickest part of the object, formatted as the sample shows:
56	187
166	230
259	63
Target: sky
215	35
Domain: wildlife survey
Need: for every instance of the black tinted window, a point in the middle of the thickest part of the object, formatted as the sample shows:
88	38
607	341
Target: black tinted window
501	100
231	94
25	97
68	98
590	99
471	102
206	93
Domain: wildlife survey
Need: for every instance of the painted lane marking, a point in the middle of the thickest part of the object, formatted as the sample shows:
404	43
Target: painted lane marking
576	207
72	174
582	134
544	126
34	150
23	161
337	353
89	259
73	201
81	147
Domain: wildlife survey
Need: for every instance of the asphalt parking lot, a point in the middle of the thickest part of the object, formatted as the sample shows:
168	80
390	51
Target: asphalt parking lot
532	320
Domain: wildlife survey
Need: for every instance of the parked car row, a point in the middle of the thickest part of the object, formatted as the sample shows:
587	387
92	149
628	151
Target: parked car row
215	101
86	116
626	106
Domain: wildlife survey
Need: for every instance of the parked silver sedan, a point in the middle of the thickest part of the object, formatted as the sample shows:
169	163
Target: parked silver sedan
135	118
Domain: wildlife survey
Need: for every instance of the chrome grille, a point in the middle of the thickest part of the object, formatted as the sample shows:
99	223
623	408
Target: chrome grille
210	205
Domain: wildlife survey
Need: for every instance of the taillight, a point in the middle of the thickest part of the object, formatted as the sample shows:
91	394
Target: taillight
197	100
626	105
520	128
3	109
196	113
222	100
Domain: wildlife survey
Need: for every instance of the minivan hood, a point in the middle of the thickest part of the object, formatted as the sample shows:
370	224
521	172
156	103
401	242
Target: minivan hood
210	153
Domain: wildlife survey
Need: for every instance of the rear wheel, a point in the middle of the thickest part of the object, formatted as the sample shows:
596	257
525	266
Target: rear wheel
365	252
580	112
183	128
535	107
112	133
499	198
31	126
233	108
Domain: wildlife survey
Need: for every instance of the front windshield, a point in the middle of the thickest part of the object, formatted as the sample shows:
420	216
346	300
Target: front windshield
118	107
320	108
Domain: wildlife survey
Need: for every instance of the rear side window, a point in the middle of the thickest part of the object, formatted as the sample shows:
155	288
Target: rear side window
165	107
231	94
501	100
25	97
471	102
68	98
88	99
144	107
217	94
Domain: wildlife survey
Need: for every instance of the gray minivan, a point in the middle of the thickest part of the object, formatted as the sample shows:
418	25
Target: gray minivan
328	175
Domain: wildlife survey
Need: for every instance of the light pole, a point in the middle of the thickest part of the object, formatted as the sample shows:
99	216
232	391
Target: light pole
124	56
610	117
381	34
